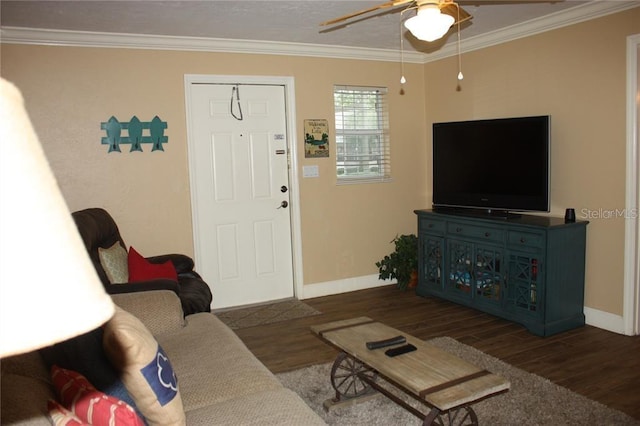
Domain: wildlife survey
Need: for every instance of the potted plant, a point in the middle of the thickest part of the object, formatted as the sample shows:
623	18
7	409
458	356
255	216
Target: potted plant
402	263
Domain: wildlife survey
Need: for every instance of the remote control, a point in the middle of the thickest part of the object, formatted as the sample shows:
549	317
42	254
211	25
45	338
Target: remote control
400	350
387	342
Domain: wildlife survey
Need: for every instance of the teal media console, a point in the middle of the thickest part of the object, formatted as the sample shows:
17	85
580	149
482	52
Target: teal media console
528	269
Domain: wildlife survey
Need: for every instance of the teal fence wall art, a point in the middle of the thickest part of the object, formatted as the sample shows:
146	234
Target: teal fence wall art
134	129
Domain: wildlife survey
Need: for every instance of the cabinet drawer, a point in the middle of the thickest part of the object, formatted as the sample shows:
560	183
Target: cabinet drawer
477	232
517	239
431	226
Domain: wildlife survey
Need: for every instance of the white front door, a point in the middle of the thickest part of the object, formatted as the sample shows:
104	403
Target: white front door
240	191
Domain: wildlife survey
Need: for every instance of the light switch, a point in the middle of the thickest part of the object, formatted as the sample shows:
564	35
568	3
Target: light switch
310	171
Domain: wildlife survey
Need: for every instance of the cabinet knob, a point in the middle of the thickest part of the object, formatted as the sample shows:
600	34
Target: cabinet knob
522	240
487	234
458	229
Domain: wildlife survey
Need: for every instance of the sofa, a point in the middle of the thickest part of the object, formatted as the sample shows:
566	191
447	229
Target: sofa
219	381
102	238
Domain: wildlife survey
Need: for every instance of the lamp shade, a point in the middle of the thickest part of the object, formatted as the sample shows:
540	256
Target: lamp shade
49	289
429	24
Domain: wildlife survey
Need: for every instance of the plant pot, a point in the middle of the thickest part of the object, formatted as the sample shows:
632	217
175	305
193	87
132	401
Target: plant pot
413	281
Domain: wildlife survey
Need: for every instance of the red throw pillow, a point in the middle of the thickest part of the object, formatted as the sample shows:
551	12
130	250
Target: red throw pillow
60	416
140	269
89	404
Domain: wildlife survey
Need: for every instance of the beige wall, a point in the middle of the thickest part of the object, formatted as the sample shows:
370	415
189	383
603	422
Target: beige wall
345	229
577	75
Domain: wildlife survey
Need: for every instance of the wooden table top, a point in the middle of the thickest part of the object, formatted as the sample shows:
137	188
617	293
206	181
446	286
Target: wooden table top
441	379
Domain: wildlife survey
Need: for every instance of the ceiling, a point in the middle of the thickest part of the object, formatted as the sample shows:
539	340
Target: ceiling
273	21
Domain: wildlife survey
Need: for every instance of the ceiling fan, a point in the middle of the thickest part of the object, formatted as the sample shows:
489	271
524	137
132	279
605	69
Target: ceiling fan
432	21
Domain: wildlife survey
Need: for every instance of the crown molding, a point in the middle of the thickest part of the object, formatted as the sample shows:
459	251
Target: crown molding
38	36
574	15
564	18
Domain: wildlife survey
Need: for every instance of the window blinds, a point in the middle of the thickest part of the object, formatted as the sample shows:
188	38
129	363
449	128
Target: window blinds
362	133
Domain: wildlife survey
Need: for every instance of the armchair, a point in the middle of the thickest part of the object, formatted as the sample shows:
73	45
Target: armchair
99	231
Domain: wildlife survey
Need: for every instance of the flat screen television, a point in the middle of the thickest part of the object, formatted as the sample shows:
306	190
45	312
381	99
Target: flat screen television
495	165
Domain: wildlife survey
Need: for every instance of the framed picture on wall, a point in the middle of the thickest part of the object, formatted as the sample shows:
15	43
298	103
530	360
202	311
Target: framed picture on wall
316	138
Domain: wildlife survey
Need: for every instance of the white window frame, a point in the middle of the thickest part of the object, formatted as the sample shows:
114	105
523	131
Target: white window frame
377	163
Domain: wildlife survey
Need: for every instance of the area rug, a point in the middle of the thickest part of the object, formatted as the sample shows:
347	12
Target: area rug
532	400
266	314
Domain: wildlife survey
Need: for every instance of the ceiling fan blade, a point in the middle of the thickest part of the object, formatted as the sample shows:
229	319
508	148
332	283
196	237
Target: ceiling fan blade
502	2
457	12
386	5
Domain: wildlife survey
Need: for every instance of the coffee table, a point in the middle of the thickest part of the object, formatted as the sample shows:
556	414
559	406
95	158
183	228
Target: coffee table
439	380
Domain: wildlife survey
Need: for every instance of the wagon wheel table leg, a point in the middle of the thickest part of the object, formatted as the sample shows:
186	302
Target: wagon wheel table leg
346	378
461	416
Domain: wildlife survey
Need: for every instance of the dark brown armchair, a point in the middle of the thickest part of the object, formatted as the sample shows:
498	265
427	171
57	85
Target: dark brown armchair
98	230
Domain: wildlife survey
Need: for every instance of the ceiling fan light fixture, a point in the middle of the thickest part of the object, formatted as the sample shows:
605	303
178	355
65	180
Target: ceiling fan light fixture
429	24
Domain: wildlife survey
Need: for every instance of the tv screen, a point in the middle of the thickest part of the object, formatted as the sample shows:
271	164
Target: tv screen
498	164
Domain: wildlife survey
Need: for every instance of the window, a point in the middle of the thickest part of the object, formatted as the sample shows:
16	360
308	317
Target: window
362	134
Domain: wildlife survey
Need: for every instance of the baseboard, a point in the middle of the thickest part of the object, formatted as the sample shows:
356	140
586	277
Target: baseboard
604	320
346	285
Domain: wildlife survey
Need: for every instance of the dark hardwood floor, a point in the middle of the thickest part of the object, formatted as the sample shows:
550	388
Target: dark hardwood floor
598	364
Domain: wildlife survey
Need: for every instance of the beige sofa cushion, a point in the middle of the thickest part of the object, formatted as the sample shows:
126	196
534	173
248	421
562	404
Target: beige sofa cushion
281	407
217	352
144	305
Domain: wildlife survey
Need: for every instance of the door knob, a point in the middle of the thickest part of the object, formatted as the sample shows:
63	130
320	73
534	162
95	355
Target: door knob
283	188
283	205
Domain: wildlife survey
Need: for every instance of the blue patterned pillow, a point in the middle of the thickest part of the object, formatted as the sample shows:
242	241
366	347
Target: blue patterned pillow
144	369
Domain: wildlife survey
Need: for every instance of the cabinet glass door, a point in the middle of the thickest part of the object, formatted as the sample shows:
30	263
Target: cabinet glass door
432	250
488	274
460	267
524	282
